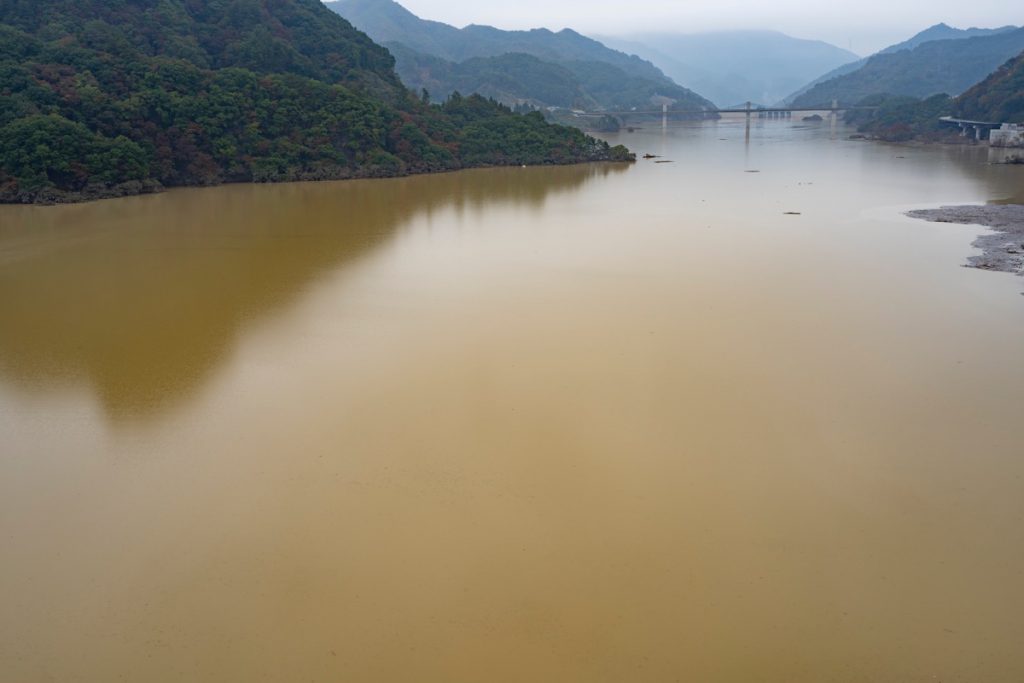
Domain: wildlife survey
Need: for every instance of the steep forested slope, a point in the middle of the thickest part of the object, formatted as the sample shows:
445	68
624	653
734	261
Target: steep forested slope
103	97
1000	97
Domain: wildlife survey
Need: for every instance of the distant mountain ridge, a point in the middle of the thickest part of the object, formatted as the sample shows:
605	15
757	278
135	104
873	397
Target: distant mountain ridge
905	69
736	66
936	32
386	21
943	31
443	58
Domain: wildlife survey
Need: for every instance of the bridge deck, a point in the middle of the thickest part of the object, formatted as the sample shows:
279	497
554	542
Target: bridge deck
725	111
966	122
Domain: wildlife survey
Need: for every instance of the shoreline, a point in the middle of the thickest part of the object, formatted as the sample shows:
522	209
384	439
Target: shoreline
1003	249
51	197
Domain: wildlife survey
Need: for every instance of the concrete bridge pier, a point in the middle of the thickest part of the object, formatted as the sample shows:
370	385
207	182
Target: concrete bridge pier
979	129
968	127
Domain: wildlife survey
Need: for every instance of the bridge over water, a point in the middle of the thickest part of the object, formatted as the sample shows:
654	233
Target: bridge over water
978	127
750	111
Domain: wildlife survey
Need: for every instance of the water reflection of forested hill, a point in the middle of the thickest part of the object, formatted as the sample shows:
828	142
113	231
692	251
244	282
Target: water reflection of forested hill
144	297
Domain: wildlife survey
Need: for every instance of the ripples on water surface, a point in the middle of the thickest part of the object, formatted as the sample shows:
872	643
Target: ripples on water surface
595	423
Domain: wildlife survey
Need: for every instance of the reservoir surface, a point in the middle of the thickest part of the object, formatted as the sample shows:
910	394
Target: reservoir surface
730	418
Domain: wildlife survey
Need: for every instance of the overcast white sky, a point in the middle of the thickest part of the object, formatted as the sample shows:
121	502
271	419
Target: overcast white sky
863	25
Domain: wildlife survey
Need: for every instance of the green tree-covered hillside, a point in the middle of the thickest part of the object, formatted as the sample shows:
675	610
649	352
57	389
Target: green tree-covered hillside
107	97
1000	97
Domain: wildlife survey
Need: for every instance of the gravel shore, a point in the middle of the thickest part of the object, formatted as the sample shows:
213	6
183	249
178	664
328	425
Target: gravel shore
1002	250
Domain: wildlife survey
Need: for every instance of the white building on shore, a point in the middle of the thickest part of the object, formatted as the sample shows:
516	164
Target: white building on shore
1007	135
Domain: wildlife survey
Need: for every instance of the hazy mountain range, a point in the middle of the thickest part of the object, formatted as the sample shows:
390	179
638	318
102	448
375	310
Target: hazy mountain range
565	69
936	32
948	66
539	66
731	67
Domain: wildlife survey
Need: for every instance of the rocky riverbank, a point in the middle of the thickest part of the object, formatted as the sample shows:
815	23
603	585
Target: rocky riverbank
1002	250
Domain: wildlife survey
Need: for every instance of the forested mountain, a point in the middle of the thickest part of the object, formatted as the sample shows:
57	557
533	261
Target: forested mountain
512	77
998	99
566	69
731	67
103	97
936	32
939	66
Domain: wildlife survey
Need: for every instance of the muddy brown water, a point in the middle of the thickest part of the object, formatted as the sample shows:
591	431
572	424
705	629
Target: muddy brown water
583	424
